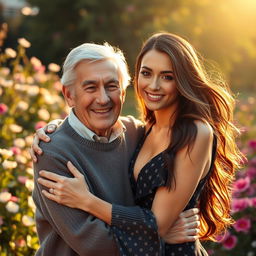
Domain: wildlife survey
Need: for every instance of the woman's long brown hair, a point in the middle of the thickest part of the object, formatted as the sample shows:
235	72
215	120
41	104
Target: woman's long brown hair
209	100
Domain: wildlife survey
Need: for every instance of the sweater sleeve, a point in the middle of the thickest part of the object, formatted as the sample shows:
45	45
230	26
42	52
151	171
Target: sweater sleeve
85	234
135	229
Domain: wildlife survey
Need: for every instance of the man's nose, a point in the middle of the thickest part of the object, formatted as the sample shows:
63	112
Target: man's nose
103	97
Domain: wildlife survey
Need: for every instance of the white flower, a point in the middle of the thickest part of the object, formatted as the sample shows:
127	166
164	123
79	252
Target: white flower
21	87
27	220
9	164
29	140
33	90
40	77
12	207
31	203
22	105
29	184
48	99
19	142
21	159
30	171
15	128
10	52
54	67
250	253
254	244
35	62
26	10
43	114
5	197
5	152
4	71
6	83
30	80
24	42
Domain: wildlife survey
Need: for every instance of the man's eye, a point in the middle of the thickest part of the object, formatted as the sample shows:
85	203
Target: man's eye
112	86
90	88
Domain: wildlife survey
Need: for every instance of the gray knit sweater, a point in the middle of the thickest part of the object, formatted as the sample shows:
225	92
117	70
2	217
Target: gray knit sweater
65	231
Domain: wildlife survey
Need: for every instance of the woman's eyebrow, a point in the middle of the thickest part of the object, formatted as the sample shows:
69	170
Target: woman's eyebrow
162	72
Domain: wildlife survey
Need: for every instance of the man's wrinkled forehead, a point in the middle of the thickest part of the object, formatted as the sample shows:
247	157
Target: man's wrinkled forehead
105	70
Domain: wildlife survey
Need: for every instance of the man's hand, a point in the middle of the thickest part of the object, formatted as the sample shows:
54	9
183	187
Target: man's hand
41	135
185	229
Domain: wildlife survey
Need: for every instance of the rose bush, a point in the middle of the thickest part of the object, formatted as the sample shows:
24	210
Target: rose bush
240	240
29	97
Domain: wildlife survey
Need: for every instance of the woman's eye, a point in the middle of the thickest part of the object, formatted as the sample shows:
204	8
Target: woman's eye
145	73
167	77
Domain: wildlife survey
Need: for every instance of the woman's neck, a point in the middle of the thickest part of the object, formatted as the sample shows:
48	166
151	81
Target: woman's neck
165	118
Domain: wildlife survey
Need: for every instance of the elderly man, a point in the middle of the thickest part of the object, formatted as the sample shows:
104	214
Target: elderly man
98	143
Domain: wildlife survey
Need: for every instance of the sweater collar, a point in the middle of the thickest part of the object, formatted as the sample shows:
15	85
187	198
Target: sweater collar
117	130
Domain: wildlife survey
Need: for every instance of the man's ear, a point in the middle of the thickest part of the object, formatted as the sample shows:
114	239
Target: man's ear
68	94
123	95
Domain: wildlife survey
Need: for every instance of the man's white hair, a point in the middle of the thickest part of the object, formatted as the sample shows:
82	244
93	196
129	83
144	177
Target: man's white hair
94	52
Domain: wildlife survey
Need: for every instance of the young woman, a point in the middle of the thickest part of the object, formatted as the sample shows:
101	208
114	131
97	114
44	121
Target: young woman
187	157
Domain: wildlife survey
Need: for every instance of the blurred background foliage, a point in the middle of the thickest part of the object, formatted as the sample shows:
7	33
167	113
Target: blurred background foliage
222	30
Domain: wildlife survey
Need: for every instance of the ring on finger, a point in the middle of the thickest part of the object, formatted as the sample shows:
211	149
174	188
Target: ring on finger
51	190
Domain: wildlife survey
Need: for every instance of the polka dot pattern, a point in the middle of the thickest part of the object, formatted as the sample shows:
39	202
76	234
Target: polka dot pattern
135	231
140	237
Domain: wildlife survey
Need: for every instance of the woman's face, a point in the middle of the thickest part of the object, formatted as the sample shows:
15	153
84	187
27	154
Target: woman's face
156	84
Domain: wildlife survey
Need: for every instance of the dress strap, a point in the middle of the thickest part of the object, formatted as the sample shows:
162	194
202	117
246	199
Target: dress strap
214	150
148	132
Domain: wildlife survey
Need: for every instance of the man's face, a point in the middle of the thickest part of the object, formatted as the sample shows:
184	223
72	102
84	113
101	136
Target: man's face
97	95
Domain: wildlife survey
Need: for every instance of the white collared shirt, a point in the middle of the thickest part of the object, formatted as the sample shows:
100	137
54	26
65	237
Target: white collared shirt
85	132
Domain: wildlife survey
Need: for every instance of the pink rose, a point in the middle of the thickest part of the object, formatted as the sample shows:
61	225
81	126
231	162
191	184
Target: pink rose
222	237
251	172
210	252
251	190
16	150
252	144
253	202
241	184
253	162
3	108
22	179
40	124
14	199
230	242
20	243
242	225
239	204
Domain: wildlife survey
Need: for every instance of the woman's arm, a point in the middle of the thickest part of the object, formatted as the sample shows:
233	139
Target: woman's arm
189	169
73	192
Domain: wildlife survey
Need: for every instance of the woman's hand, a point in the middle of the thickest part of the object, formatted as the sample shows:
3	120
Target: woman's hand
72	192
185	229
41	135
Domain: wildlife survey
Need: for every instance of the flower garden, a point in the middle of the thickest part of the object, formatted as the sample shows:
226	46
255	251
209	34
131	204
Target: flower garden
30	96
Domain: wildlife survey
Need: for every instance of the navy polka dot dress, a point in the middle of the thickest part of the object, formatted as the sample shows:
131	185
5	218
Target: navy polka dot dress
140	237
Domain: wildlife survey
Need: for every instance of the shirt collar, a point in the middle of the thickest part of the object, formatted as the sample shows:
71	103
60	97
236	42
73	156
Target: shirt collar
86	133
